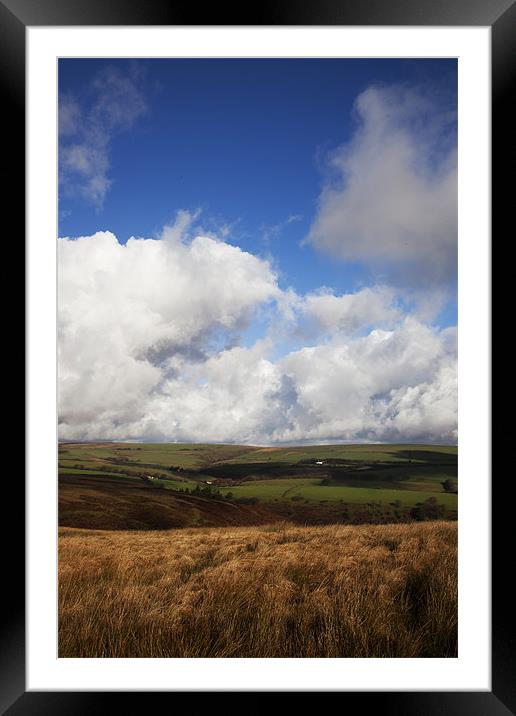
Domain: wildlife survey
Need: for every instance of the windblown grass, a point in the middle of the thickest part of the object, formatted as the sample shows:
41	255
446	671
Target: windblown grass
273	591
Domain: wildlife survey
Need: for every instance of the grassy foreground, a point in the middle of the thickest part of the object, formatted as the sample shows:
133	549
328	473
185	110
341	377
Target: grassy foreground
270	591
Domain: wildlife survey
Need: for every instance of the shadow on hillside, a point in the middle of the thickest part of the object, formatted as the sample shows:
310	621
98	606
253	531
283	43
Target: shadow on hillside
433	457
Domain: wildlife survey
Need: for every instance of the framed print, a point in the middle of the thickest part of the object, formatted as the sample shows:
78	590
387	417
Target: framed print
251	355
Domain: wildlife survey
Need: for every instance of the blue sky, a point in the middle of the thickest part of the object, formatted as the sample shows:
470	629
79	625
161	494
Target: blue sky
243	140
338	177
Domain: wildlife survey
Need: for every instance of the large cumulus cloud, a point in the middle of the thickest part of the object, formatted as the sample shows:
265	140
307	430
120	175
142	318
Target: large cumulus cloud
148	349
128	313
390	200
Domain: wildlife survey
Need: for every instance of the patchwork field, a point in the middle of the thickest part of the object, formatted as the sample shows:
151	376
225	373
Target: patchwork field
272	591
307	485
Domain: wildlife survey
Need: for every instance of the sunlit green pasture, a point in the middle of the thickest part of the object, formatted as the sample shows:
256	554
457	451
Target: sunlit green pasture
313	491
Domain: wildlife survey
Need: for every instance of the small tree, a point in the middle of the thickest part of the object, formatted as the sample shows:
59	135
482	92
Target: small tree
449	486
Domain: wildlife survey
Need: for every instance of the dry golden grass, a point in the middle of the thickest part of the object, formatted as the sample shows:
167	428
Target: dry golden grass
273	591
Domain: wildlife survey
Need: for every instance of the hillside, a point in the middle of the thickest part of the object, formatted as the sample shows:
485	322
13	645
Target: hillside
108	503
114	504
231	484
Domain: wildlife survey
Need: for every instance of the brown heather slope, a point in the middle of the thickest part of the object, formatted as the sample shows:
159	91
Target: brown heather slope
116	504
271	591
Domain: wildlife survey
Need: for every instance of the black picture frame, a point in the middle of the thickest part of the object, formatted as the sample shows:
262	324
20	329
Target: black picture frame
15	17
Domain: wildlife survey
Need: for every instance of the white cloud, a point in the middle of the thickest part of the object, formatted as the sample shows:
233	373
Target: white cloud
69	115
388	386
229	398
351	312
392	200
179	230
372	387
142	330
274	231
127	312
115	101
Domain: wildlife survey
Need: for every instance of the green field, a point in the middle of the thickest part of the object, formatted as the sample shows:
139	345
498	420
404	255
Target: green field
385	476
421	454
311	490
162	454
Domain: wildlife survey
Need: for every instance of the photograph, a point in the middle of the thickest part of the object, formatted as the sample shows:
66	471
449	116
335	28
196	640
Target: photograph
257	364
258	319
